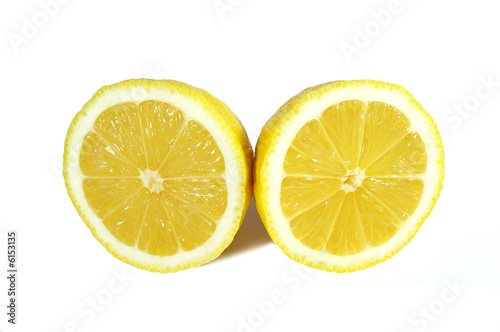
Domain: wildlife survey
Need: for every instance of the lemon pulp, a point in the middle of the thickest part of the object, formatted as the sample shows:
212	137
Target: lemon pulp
154	177
352	176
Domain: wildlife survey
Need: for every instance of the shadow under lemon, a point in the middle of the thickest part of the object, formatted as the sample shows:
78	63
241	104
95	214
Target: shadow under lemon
251	234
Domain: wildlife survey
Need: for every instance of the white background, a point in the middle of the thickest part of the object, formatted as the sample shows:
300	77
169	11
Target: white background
253	55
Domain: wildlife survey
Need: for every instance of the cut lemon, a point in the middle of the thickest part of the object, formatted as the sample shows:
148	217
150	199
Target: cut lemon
160	173
346	173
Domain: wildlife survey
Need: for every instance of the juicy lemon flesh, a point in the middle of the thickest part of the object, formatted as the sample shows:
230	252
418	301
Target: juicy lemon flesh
154	177
352	177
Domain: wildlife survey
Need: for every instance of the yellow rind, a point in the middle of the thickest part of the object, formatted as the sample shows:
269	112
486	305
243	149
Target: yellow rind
267	142
216	109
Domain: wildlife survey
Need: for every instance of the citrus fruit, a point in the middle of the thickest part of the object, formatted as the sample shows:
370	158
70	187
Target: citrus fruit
160	172
346	173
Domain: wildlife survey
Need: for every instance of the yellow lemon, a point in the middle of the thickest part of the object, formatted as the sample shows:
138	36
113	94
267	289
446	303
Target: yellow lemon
346	173
160	172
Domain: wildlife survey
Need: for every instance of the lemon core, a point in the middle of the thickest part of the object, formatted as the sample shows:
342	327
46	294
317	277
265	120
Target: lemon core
353	180
152	180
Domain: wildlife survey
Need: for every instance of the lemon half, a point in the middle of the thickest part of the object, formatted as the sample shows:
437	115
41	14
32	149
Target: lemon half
346	173
160	172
